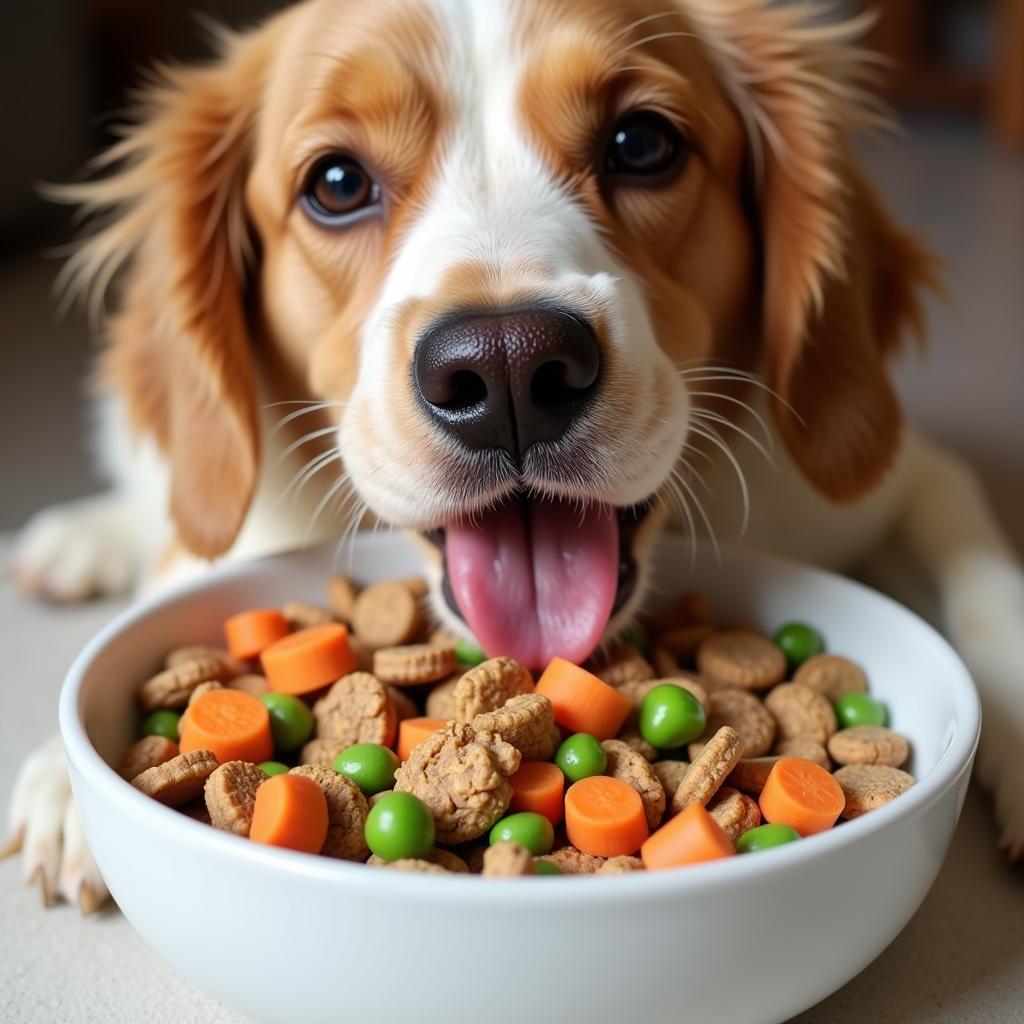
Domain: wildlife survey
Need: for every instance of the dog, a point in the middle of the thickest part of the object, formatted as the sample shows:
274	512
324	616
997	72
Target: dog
528	279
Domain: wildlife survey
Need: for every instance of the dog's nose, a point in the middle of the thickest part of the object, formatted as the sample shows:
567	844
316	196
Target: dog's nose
507	380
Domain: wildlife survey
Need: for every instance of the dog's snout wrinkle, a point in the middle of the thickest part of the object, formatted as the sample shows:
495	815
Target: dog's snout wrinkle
507	380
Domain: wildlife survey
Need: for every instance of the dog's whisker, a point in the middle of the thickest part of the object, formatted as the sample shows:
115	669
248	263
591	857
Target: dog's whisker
324	502
691	525
643	21
696	473
769	440
305	439
710	434
308	471
655	37
703	515
713	417
308	407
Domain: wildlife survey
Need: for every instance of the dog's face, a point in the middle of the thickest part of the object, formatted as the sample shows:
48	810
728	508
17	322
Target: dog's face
499	234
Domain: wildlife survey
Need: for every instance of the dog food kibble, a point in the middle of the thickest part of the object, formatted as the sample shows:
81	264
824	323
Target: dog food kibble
528	829
581	756
680	744
370	766
670	717
798	642
161	723
291	721
853	709
400	826
765	837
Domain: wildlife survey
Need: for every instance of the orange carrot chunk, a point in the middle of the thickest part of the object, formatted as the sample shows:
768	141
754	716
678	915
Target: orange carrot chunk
801	794
691	837
604	817
582	702
412	732
248	633
290	811
234	725
308	659
538	786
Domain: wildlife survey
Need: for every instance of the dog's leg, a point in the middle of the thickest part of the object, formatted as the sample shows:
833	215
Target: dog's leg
949	528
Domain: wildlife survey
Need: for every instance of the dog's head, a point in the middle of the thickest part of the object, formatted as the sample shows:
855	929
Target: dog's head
501	234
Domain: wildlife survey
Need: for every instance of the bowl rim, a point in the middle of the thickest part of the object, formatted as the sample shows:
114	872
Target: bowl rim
520	892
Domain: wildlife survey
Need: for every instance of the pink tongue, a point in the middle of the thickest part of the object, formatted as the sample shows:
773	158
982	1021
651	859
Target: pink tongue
536	585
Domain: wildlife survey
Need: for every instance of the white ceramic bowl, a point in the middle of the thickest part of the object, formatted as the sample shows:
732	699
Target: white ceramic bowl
294	939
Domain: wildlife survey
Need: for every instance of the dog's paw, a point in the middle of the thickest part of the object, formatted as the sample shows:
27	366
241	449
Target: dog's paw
45	827
1000	769
79	550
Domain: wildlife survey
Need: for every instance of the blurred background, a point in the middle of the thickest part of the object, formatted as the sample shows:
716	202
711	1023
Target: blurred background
956	175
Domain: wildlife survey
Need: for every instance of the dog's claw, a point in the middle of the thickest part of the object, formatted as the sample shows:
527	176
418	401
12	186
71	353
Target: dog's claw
80	881
89	900
45	886
14	846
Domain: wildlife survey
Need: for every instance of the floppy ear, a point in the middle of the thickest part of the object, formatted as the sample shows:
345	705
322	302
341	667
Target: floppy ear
179	349
840	281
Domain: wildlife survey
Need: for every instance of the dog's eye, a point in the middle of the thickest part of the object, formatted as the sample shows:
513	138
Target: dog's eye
645	145
337	189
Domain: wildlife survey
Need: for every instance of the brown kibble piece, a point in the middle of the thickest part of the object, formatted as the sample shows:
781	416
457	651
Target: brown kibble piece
341	595
630	735
664	662
742	658
386	615
869	786
413	664
508	860
179	780
869	744
173	687
230	795
442	637
442	860
183	655
356	709
405	706
527	722
488	686
751	773
805	747
623	665
684	641
149	752
709	770
620	866
250	683
832	676
743	712
670	773
303	615
203	688
461	774
734	811
571	861
196	810
346	812
417	586
441	700
321	752
800	711
413	864
626	765
685	610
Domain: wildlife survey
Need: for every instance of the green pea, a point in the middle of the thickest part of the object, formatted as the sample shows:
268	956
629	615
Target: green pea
581	756
860	709
637	639
764	837
670	716
531	830
369	765
291	721
399	825
545	867
798	642
270	768
162	723
469	654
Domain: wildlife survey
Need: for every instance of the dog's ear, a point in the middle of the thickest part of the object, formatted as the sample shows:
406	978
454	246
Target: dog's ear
179	347
840	282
